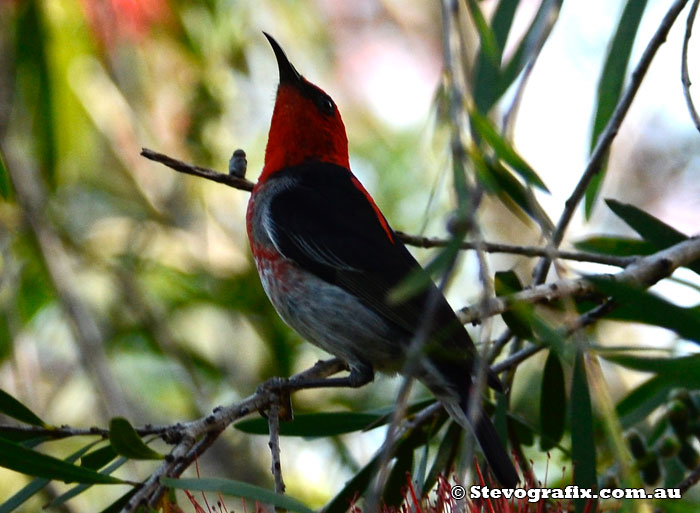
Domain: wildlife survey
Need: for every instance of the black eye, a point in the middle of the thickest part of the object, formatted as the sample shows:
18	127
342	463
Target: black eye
326	105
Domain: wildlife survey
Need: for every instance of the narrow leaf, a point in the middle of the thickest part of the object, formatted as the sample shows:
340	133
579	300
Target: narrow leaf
644	399
612	80
314	424
15	409
127	442
616	246
552	402
649	227
504	150
36	485
583	451
445	457
237	489
33	463
683	366
78	489
98	458
545	17
396	482
4	179
638	305
507	282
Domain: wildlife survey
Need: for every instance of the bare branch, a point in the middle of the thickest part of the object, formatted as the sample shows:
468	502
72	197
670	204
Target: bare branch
533	251
645	272
207	429
202	172
273	423
685	76
412	240
606	138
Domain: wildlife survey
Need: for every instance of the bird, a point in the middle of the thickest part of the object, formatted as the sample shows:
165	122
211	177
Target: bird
328	261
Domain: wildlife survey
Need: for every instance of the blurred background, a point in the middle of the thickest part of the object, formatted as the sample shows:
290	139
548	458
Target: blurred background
128	289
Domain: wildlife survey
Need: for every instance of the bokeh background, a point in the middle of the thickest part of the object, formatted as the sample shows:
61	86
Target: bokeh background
160	261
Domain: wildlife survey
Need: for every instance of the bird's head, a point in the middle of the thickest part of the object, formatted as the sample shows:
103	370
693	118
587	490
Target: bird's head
306	124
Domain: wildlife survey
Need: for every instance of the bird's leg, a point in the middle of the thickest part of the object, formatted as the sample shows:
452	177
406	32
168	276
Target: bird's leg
360	374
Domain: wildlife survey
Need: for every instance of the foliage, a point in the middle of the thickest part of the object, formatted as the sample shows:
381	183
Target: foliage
128	298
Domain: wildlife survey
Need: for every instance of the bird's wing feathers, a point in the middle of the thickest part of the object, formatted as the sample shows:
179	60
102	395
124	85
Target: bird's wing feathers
325	224
329	226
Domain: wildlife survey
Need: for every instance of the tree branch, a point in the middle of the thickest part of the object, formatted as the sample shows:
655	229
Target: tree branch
412	240
195	437
685	76
606	138
645	272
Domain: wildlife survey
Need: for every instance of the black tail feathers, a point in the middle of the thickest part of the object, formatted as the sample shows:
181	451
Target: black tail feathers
496	455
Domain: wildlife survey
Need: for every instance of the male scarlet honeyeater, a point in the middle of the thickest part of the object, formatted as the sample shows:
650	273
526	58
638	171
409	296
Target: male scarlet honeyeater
328	259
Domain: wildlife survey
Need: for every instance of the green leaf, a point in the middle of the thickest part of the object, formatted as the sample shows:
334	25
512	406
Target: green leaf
78	489
314	424
486	75
646	225
504	150
638	305
612	81
616	246
396	482
127	442
498	180
672	373
4	179
119	504
33	463
445	457
686	366
583	451
15	409
644	399
36	485
237	489
33	72
507	282
552	402
98	458
547	14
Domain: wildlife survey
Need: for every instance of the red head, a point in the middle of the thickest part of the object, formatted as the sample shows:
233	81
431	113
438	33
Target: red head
306	124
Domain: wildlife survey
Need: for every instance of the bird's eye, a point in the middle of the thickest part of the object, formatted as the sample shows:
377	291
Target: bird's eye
326	105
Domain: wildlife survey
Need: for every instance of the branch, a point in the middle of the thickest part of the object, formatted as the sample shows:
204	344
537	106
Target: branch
606	138
195	437
646	271
533	251
685	76
202	172
412	240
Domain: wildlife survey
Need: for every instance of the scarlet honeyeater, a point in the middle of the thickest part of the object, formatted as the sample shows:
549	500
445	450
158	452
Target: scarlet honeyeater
328	260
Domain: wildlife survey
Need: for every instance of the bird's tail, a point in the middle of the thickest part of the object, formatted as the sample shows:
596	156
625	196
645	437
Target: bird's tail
487	436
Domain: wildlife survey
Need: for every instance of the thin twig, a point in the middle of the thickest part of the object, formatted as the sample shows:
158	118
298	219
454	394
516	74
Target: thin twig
606	138
412	240
533	251
203	172
685	76
207	429
509	116
273	423
645	272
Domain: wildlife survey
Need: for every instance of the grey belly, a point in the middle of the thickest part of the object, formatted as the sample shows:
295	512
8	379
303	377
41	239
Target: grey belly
337	322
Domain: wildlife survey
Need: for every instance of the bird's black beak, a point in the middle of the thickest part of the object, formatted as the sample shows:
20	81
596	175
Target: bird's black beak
288	74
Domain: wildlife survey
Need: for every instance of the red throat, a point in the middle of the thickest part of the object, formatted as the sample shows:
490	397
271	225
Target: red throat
300	132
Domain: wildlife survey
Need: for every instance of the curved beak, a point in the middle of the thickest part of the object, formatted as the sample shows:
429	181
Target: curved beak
288	74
